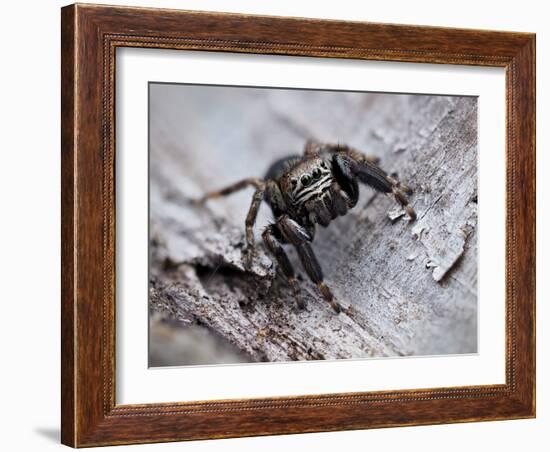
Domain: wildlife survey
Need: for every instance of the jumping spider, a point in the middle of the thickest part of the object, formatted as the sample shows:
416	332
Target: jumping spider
304	190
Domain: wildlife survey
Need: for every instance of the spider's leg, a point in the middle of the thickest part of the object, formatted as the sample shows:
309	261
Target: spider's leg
342	168
319	212
354	153
252	211
374	176
360	157
257	199
299	237
340	201
313	270
311	147
251	181
275	247
404	188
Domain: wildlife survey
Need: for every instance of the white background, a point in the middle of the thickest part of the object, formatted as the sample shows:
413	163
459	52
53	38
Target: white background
30	225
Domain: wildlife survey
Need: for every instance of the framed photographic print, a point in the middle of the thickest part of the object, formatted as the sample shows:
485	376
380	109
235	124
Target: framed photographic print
281	225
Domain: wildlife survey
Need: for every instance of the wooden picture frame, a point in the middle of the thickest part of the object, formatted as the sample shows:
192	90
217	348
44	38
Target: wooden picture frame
90	36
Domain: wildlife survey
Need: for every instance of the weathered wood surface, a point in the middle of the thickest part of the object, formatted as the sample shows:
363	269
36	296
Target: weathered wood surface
407	288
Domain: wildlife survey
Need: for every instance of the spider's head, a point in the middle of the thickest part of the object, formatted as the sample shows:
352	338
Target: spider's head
308	178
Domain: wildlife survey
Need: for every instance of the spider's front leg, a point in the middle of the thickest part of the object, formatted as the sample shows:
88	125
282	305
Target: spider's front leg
298	236
313	147
352	164
272	240
257	199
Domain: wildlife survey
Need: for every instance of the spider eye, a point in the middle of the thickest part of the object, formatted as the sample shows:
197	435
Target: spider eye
323	164
306	180
294	182
316	173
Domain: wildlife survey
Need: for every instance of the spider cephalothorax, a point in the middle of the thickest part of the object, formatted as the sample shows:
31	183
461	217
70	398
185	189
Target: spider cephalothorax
305	190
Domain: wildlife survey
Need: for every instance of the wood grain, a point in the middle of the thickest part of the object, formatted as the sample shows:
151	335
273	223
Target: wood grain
408	288
68	245
90	36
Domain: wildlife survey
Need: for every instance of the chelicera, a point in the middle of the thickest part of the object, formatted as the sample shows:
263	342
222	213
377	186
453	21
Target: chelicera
302	191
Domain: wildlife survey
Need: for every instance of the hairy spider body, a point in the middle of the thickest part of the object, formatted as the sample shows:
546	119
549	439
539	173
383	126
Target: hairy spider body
306	190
